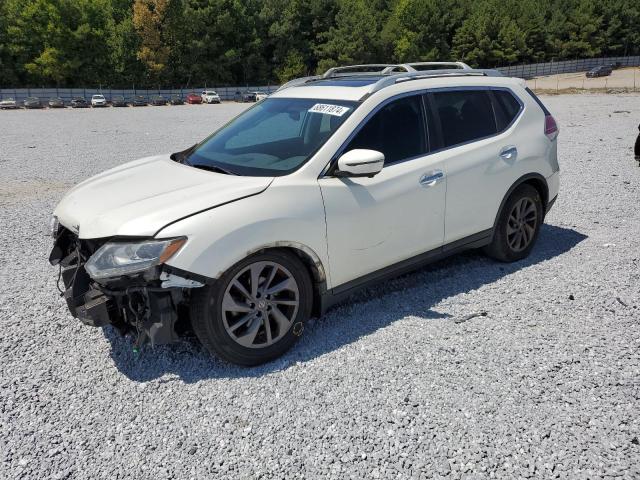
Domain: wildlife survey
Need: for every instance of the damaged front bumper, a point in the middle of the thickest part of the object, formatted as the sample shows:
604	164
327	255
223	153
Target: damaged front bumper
151	305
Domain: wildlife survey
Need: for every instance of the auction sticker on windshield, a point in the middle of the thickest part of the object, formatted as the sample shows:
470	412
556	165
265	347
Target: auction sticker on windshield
337	110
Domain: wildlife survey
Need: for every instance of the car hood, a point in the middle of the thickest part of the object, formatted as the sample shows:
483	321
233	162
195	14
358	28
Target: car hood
141	197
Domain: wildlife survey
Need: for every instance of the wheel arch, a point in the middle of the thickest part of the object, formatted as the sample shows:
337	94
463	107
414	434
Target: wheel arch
537	181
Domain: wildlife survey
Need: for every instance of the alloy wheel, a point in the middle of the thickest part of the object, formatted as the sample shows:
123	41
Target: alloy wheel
521	225
260	304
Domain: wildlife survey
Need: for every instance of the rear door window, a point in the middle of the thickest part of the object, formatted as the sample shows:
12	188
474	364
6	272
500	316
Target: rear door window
465	115
508	108
397	130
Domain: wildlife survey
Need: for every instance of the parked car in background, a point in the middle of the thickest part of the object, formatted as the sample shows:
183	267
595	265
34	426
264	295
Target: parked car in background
56	102
119	101
247	234
158	100
176	99
98	100
601	71
210	96
261	96
32	102
249	97
194	98
8	103
79	102
139	101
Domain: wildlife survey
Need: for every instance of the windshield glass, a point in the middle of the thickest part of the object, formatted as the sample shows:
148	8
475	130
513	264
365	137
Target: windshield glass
273	138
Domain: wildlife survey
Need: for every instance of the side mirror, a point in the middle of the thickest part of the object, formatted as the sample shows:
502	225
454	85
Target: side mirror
360	163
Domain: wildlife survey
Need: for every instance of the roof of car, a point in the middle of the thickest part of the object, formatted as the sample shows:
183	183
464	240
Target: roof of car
340	90
357	82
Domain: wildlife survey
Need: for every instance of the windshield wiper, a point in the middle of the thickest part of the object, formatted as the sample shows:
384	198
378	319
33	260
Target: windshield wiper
211	168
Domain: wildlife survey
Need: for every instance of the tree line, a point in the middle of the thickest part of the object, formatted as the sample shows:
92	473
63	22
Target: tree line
182	43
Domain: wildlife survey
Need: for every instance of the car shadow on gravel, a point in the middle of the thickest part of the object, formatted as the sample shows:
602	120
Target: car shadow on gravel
361	314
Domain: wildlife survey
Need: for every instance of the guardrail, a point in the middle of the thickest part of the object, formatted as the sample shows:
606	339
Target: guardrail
44	94
527	71
566	66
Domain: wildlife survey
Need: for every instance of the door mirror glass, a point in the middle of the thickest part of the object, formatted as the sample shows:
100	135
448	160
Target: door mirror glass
360	163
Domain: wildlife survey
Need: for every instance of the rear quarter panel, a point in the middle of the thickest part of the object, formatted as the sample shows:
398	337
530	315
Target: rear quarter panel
536	153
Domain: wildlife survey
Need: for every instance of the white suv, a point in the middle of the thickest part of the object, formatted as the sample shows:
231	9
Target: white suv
98	101
331	183
209	96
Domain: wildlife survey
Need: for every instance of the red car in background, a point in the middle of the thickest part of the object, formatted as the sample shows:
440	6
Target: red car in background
194	98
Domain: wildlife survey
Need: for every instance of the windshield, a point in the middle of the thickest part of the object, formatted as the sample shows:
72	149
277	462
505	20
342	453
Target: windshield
273	138
98	97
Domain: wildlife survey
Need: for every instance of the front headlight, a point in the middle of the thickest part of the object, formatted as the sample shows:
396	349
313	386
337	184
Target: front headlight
114	259
53	226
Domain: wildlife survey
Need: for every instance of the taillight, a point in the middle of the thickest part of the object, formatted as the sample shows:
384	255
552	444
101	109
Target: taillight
550	127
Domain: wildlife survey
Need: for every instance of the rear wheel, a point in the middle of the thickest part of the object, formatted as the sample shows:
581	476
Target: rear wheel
255	312
518	225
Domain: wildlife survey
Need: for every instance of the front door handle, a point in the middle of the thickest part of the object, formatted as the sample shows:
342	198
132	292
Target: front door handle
431	178
509	153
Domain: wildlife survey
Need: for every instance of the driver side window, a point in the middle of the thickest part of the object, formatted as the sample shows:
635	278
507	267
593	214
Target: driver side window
397	130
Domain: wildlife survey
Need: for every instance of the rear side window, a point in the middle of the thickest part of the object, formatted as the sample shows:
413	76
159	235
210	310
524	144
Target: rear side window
397	130
465	115
508	108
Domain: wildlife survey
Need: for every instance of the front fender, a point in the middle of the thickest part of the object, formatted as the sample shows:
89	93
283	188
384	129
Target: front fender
281	216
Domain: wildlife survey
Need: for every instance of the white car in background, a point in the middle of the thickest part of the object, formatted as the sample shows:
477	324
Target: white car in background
261	96
328	185
210	96
8	103
98	101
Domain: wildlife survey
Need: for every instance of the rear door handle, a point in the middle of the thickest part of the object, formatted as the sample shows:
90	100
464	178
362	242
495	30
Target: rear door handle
431	178
509	153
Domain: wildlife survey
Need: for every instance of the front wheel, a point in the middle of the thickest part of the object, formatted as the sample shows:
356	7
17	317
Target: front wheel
256	311
518	226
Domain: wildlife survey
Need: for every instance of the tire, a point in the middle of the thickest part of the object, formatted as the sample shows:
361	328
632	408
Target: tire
231	320
517	228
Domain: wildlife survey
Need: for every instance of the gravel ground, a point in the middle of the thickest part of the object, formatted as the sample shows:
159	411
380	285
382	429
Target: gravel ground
393	384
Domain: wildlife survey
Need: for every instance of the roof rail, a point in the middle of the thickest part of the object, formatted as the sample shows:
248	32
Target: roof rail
396	73
418	66
389	69
419	75
364	69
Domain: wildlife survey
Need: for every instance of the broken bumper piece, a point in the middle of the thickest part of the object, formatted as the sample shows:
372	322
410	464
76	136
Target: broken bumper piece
151	306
